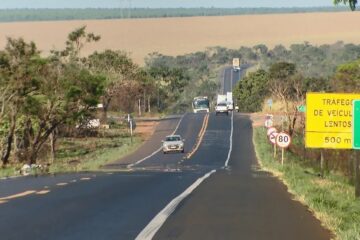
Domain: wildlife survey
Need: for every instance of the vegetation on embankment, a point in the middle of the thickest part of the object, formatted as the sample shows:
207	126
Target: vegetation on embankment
330	197
91	154
85	154
45	100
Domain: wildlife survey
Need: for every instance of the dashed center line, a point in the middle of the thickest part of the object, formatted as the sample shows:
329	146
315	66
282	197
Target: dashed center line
42	192
61	184
85	179
18	195
46	190
200	136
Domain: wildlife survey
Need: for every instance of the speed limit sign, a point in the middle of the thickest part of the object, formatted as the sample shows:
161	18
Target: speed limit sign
283	140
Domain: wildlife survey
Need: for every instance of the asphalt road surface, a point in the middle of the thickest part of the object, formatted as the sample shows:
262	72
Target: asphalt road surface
242	202
217	193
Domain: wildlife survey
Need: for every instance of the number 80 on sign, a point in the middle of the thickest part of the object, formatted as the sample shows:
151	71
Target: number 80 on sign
283	140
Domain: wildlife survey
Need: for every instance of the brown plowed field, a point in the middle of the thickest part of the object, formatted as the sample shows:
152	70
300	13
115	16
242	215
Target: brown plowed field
175	36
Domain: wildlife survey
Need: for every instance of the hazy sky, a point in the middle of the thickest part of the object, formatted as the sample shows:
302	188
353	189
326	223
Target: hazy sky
159	3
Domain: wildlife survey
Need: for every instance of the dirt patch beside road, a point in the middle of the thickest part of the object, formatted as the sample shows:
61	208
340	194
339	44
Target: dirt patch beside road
146	129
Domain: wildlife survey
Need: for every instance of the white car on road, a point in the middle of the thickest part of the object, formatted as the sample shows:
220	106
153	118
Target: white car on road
221	107
173	143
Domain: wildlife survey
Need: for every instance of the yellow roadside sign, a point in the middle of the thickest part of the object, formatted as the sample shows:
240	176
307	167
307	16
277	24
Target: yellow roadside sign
328	140
329	120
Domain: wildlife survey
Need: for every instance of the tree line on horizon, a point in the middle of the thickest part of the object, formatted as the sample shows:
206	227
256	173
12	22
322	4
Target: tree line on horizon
12	15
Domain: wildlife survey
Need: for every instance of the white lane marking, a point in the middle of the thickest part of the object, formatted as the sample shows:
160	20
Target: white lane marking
178	125
145	158
10	177
18	195
158	150
231	80
85	179
231	140
42	192
150	230
61	184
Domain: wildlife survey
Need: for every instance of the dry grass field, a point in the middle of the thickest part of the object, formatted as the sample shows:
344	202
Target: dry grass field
173	36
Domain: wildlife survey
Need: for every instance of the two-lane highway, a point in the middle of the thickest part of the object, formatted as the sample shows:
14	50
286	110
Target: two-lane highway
116	205
242	202
216	193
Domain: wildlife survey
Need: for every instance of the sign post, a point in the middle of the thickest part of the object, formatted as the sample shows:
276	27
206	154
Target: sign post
269	122
329	120
131	127
356	124
283	140
356	143
270	103
301	108
357	174
332	121
272	133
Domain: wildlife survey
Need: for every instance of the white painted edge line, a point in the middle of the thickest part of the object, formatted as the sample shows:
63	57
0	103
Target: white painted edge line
158	150
11	177
155	224
178	125
231	140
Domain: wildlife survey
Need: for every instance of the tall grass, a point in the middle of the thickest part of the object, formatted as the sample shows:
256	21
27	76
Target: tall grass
88	157
82	154
331	198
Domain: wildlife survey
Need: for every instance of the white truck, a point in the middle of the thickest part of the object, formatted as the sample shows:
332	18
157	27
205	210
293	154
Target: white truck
221	105
236	64
221	98
230	101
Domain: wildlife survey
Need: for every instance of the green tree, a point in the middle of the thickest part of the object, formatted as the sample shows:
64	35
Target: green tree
76	40
39	94
170	83
352	3
251	91
118	69
286	84
64	98
20	67
347	77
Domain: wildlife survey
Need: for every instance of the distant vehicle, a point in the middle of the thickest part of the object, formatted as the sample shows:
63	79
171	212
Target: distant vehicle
173	143
236	108
221	107
236	64
221	98
230	101
201	104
